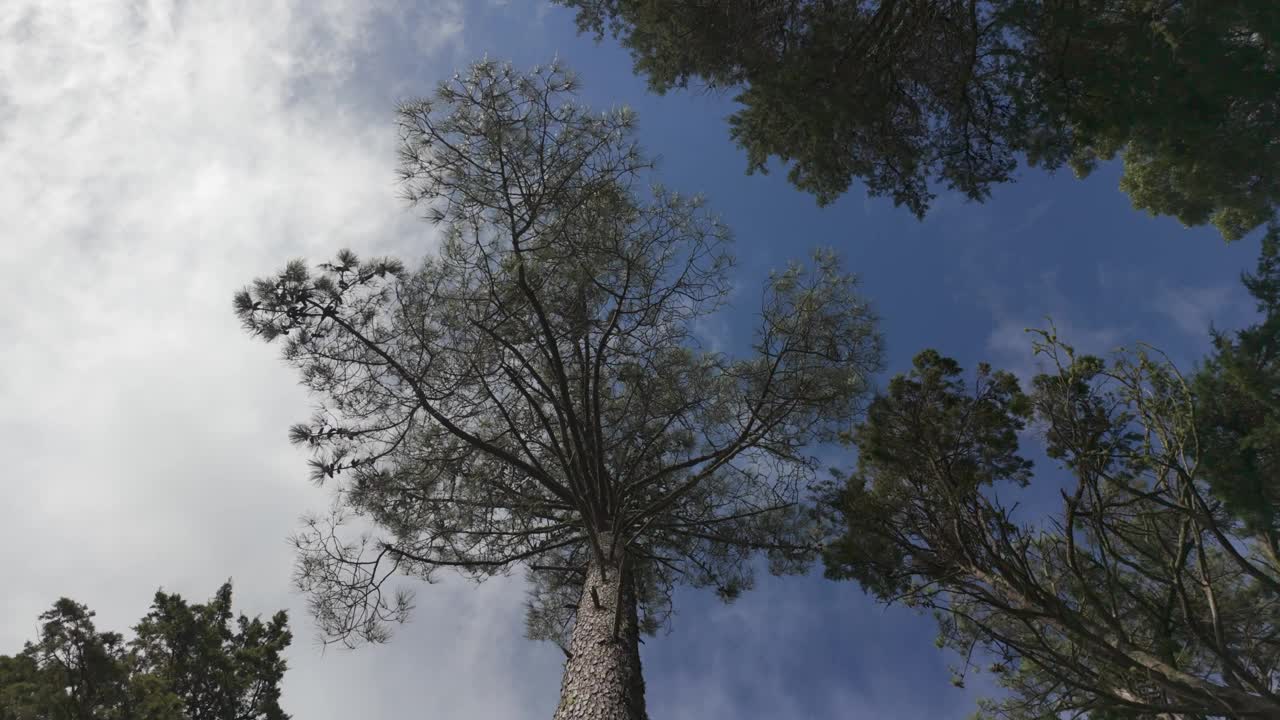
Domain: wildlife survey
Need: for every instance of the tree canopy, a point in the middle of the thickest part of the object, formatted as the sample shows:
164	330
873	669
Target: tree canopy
1144	597
905	94
186	662
1238	409
1155	592
536	392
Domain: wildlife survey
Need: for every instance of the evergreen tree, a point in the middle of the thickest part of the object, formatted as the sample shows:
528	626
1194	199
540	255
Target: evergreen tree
1144	597
1238	410
72	672
186	662
899	94
215	665
535	393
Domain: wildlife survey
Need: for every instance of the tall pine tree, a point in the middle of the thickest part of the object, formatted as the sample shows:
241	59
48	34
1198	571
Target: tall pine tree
536	394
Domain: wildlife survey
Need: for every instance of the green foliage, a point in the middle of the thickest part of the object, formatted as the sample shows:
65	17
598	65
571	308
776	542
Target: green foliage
974	433
1142	598
1238	393
901	93
186	662
539	383
72	671
19	687
536	393
216	665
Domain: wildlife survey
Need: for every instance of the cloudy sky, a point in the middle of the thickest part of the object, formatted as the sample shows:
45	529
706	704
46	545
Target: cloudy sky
159	154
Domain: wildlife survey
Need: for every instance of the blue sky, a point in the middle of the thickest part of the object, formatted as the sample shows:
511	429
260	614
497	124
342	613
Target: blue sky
164	153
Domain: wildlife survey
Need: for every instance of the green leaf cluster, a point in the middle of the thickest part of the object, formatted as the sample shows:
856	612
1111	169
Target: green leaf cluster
1154	589
1238	409
186	662
902	94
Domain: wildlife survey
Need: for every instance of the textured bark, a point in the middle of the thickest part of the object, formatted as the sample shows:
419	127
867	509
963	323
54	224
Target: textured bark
602	679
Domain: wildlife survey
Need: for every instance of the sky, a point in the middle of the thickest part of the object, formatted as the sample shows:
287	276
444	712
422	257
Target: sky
160	154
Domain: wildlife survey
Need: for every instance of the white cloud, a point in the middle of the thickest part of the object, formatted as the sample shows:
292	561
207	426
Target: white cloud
749	658
1194	310
159	155
1041	305
441	27
1191	308
1010	341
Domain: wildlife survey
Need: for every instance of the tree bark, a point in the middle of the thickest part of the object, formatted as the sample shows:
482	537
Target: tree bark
602	679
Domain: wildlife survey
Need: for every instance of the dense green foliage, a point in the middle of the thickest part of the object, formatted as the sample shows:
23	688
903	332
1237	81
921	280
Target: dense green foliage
1153	593
186	662
1239	409
901	93
536	394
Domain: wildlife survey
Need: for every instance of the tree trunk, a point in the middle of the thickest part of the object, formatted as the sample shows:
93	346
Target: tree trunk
602	679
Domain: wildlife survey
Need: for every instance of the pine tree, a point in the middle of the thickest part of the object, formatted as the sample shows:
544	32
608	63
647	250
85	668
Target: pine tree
1238	409
1142	597
535	393
185	662
908	95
